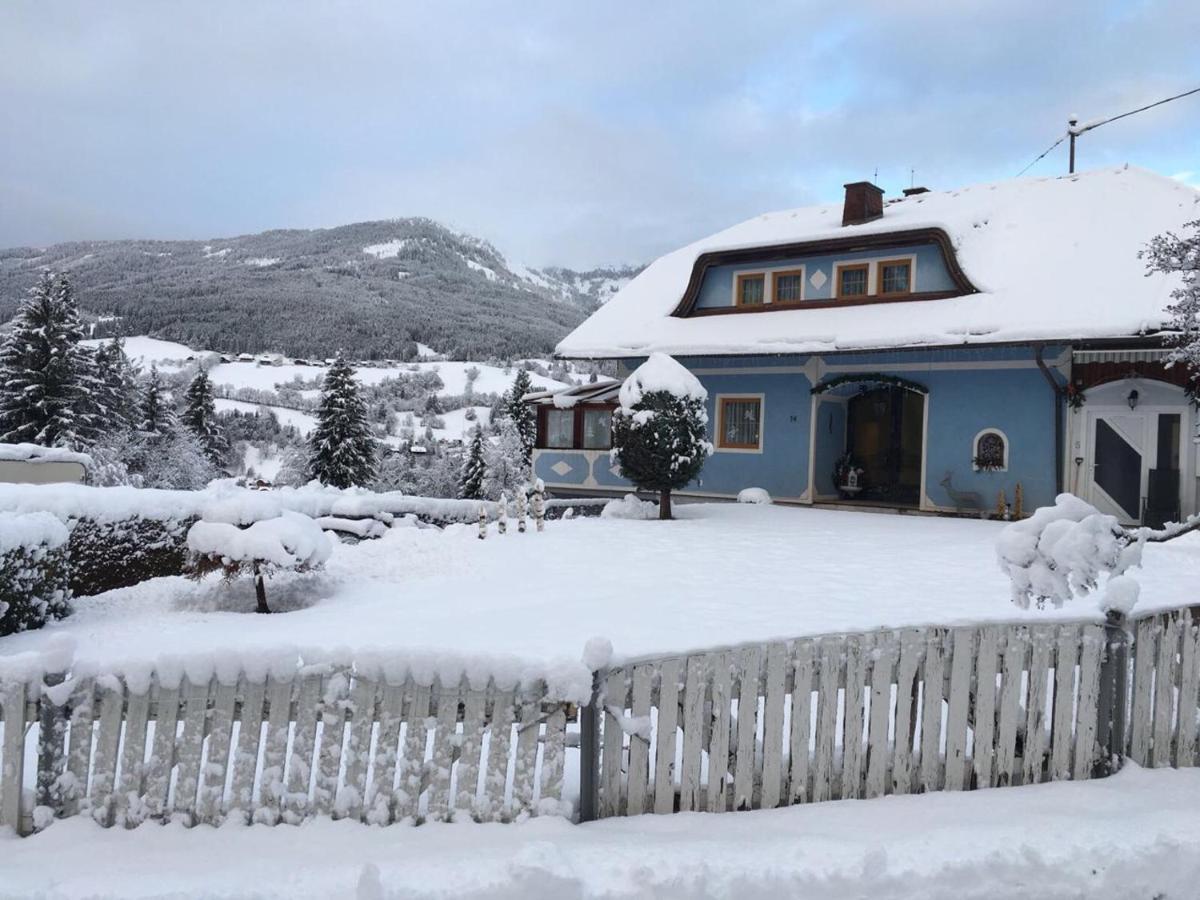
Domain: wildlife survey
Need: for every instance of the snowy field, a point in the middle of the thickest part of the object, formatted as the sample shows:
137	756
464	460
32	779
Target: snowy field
1135	836
721	573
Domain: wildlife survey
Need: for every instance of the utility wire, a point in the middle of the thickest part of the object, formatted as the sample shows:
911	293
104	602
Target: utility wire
1078	130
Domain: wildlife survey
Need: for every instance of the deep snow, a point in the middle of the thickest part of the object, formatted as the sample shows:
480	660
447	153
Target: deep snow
1134	836
719	574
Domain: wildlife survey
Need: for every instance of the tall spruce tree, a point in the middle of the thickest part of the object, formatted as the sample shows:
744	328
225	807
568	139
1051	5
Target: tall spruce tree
200	418
521	413
341	448
474	469
157	413
115	391
45	372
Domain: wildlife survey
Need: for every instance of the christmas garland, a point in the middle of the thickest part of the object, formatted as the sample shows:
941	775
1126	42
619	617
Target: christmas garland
876	378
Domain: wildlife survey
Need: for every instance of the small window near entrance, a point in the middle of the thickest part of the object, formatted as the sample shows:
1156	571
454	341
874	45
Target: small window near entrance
750	289
990	452
739	423
560	429
852	281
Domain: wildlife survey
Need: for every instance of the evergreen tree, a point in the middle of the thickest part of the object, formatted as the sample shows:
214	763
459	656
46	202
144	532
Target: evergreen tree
341	447
114	392
157	413
200	417
1173	254
521	413
474	469
507	466
45	372
659	430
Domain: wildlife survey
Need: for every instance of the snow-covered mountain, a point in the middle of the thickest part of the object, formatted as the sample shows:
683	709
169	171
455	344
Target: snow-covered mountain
375	288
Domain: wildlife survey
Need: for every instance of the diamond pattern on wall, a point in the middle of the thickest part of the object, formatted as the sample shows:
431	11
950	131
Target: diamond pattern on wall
561	468
616	470
818	279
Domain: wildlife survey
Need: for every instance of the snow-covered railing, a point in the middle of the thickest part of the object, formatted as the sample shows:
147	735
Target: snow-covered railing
377	741
893	712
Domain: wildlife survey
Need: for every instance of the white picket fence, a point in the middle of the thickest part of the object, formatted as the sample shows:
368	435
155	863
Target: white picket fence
325	742
894	712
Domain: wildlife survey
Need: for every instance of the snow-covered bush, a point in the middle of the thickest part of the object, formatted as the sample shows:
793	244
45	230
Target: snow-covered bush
629	507
33	571
105	555
754	495
1061	551
660	437
289	541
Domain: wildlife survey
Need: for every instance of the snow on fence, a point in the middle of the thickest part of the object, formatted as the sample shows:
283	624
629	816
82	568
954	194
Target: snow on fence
891	712
318	741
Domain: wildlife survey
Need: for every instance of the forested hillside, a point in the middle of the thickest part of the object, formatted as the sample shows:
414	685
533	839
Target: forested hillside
374	288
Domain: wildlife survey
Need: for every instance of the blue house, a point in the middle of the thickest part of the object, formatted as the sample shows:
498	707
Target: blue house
927	353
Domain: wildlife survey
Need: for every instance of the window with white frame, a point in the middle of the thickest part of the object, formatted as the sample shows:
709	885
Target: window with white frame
787	286
990	451
750	289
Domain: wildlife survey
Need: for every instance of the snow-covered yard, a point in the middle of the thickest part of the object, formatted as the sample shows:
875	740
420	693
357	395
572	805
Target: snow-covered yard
719	574
1135	835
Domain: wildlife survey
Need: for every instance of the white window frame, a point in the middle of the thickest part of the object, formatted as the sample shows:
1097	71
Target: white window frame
768	273
873	274
975	447
762	421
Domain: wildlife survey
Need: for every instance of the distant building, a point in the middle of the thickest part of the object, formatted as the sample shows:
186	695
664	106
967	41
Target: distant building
925	353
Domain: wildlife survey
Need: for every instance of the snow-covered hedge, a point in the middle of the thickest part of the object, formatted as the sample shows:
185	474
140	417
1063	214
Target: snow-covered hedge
105	555
33	571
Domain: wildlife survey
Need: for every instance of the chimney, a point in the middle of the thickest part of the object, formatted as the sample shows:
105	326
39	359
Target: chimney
864	203
913	191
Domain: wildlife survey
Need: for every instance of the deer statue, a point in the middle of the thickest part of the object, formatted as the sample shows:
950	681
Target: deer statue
963	500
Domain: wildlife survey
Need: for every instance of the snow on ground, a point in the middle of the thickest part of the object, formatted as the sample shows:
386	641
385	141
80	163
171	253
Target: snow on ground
303	422
142	351
720	574
1133	836
264	463
386	250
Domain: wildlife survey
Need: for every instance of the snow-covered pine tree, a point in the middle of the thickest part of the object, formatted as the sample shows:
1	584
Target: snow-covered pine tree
1172	254
474	469
521	413
157	412
200	417
44	372
660	436
115	387
342	448
507	467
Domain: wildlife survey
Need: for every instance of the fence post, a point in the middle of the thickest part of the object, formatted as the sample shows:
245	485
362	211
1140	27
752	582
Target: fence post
52	757
1114	696
589	754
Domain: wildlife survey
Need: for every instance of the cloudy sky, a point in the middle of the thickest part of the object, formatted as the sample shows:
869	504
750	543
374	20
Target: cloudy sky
565	133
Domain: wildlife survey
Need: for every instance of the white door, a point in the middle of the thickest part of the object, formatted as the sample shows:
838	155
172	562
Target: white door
1119	459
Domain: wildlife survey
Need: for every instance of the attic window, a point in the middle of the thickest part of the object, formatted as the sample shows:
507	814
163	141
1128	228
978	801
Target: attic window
895	277
750	289
852	280
788	287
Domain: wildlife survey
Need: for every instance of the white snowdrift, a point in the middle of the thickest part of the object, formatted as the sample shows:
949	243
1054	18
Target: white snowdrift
38	453
289	541
35	529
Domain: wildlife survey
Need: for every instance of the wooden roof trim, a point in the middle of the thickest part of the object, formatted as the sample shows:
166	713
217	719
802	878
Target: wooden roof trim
850	244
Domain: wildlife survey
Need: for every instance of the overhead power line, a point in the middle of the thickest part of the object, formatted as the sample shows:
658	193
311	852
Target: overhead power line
1074	129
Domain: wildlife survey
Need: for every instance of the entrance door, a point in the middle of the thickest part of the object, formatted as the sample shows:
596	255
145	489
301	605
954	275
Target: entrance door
885	438
1135	461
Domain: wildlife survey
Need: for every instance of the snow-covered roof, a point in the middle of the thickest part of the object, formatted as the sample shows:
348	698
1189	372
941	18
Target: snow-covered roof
1053	259
603	391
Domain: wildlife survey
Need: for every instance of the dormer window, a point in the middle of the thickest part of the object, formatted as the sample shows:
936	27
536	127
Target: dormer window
895	277
853	280
750	289
787	286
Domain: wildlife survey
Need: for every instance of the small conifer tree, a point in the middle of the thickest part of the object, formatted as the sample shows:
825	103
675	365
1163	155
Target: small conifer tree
200	418
521	413
474	468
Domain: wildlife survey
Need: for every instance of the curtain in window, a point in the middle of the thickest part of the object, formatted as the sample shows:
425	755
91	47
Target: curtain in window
895	278
752	291
788	288
740	423
597	429
854	282
560	428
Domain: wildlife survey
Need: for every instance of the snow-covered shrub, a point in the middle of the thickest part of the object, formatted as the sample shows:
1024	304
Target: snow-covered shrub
1062	550
33	571
289	541
754	495
660	439
629	507
105	555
